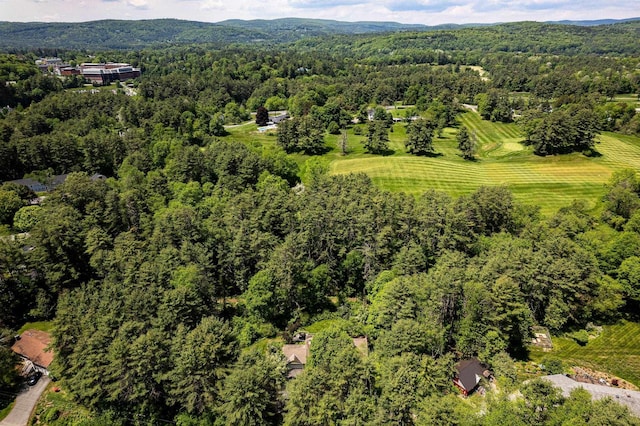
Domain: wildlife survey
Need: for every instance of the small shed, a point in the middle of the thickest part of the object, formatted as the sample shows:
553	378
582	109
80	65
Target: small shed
542	338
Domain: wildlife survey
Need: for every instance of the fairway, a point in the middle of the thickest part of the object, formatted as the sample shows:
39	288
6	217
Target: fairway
550	182
615	351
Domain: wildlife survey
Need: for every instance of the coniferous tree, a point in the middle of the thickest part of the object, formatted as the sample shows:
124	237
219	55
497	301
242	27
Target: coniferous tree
466	143
343	142
262	116
377	141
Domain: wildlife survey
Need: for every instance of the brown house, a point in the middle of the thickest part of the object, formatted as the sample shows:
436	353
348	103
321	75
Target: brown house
31	346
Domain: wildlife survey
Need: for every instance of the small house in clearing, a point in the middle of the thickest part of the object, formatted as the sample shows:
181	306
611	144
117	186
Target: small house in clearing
297	354
32	346
469	373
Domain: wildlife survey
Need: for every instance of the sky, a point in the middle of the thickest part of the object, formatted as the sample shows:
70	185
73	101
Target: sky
427	12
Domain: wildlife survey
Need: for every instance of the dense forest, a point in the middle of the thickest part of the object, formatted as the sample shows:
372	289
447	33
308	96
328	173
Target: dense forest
173	283
616	37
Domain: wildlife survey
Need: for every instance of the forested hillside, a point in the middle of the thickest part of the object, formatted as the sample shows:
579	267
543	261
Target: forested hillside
113	34
191	239
616	38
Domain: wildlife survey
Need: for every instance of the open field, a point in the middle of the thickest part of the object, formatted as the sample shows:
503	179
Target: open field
630	98
615	351
550	182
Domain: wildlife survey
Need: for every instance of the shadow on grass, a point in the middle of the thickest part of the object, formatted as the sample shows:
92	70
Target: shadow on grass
519	351
592	153
318	151
431	154
384	152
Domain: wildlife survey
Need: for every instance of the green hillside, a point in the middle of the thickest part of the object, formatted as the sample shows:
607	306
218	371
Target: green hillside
118	34
618	38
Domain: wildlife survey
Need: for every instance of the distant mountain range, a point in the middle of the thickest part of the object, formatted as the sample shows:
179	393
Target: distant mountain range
594	23
118	34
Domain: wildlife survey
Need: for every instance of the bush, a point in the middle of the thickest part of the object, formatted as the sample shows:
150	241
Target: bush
26	218
581	337
250	331
553	365
50	415
333	128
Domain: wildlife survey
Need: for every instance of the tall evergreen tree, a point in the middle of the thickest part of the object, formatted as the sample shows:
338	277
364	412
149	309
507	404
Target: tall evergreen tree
466	143
377	141
262	116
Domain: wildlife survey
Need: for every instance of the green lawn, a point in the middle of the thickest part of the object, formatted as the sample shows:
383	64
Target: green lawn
630	98
615	351
40	325
6	409
550	182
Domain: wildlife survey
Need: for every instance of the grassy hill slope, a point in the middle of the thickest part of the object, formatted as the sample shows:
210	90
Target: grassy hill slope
616	350
551	182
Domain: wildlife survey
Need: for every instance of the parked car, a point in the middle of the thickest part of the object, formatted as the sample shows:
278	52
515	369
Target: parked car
33	379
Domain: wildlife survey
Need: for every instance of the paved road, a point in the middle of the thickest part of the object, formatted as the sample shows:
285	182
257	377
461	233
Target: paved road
25	403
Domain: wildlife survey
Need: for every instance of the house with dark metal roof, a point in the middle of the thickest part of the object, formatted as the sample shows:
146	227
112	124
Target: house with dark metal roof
469	373
37	186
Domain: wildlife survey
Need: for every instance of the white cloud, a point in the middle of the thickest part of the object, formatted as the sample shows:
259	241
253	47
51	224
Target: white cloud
429	12
138	4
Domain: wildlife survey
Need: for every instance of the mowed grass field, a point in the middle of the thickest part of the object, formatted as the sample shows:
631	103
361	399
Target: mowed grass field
615	351
549	182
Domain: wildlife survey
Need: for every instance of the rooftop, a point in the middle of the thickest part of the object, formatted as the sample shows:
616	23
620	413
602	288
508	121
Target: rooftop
32	345
470	372
296	353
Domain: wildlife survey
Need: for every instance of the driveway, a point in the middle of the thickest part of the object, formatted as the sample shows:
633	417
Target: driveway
25	403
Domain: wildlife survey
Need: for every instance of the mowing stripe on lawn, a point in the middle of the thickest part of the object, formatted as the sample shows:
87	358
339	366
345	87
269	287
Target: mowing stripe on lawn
551	182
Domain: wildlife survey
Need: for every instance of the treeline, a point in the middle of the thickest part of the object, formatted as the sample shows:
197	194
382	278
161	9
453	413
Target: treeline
517	37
